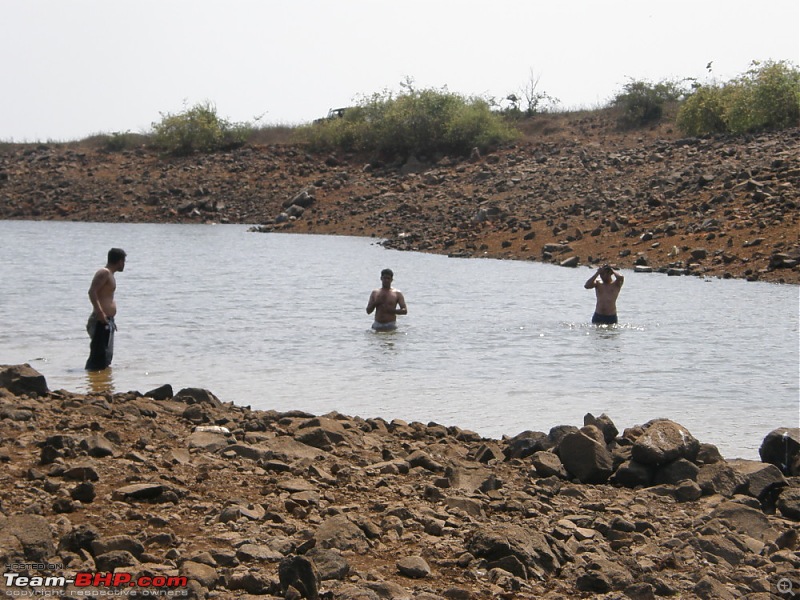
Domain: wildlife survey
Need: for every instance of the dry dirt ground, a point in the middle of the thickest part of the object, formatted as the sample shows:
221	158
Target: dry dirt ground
574	190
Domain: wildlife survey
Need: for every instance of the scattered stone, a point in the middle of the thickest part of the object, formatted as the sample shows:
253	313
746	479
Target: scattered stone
255	511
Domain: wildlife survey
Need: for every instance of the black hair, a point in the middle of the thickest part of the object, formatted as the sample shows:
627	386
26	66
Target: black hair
388	272
115	255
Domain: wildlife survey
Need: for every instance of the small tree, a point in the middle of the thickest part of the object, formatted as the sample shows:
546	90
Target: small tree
767	96
536	101
643	102
198	129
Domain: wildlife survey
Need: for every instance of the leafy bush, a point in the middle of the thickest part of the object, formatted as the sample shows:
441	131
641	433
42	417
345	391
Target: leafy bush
198	129
416	122
643	102
766	97
703	112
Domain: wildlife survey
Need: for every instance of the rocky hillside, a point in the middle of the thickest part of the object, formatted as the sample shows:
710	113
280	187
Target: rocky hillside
227	502
573	191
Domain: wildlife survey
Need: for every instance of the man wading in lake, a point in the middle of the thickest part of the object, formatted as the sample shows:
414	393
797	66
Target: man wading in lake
385	301
606	290
101	326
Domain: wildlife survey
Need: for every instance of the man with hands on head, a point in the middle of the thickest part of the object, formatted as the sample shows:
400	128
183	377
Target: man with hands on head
607	290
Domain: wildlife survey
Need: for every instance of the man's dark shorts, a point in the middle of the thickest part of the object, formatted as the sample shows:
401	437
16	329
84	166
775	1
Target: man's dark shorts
101	349
599	319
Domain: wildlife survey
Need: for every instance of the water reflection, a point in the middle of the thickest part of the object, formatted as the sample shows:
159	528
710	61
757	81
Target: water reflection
386	341
100	382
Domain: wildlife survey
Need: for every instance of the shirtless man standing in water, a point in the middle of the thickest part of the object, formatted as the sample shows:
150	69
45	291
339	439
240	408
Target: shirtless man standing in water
101	326
385	302
606	290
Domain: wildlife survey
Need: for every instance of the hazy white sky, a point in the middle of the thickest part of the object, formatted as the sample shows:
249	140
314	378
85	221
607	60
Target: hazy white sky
72	68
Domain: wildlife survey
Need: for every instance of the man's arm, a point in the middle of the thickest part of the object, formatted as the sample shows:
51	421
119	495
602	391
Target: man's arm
401	301
619	278
371	304
99	280
590	283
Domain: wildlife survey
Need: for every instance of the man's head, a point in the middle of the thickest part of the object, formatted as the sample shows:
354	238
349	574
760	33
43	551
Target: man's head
606	272
116	256
387	275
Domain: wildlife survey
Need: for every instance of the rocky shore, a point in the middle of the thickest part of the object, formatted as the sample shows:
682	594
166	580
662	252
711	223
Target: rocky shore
223	501
573	191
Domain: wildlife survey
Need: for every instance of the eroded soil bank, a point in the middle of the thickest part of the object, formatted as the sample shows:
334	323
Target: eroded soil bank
573	191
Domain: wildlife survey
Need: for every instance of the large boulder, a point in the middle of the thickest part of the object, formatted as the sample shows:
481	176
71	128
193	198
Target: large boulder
22	380
663	441
32	533
761	478
585	457
341	533
781	448
529	547
525	444
198	396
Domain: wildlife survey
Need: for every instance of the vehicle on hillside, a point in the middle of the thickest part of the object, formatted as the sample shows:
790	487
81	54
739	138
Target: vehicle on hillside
333	113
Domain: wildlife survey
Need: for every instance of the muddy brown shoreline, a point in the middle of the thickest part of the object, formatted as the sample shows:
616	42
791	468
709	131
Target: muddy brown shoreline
574	191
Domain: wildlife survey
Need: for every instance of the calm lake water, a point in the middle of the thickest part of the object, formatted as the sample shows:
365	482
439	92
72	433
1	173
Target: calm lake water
277	321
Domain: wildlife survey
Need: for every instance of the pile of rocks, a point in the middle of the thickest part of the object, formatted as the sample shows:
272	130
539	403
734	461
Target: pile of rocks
225	501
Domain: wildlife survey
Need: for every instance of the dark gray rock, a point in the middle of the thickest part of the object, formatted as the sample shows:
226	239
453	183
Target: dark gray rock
110	561
663	441
720	478
530	547
341	533
789	503
548	464
676	471
604	424
414	567
33	534
526	443
117	542
300	573
198	396
23	380
585	458
760	478
330	563
781	447
633	474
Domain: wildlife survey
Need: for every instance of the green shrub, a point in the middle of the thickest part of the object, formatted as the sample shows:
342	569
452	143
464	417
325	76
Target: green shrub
198	129
426	122
766	97
643	102
703	112
769	98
